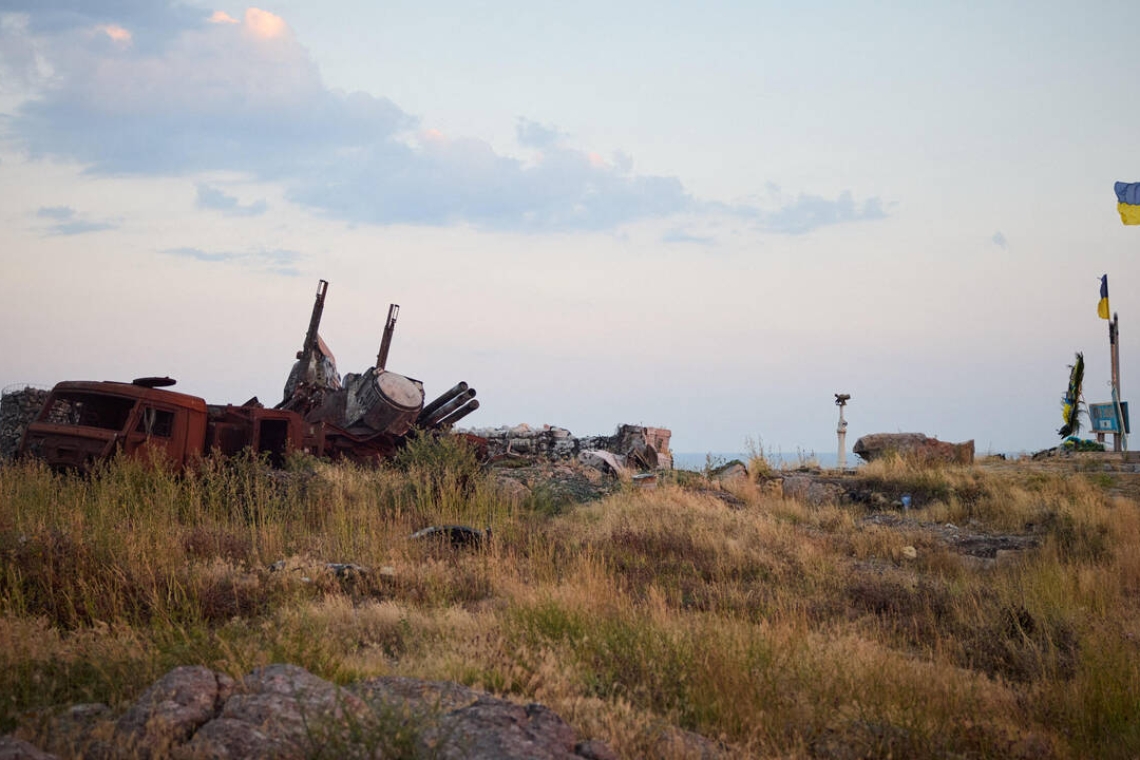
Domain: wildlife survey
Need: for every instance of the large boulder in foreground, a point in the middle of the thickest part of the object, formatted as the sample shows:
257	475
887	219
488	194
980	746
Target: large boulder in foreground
914	446
284	712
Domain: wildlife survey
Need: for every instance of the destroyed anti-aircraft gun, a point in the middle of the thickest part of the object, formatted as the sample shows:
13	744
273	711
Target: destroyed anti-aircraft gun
365	415
364	418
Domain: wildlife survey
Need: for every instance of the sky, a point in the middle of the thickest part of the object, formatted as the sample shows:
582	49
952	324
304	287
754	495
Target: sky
708	217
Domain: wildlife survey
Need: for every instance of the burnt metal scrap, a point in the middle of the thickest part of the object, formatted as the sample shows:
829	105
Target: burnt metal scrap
363	417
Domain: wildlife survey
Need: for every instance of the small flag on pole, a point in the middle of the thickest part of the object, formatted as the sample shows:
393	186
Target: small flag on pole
1128	201
1102	307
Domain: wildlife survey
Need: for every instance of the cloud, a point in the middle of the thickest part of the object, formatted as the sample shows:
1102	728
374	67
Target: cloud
531	134
217	200
59	213
67	221
115	33
151	23
273	261
999	240
80	227
678	235
810	212
264	24
186	91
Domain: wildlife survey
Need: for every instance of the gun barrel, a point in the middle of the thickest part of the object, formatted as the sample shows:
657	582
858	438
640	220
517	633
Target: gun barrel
458	414
443	398
433	419
310	343
386	341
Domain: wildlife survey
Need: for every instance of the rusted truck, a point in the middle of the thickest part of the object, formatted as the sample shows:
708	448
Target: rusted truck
87	422
364	418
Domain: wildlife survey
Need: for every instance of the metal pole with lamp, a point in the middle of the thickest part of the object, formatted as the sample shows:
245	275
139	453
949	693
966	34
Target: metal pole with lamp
841	400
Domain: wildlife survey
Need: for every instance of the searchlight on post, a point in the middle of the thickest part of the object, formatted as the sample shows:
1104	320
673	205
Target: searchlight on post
841	400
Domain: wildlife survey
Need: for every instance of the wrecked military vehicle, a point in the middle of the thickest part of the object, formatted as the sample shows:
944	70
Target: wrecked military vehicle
365	417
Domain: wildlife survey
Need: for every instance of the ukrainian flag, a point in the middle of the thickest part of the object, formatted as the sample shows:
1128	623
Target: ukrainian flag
1128	201
1102	306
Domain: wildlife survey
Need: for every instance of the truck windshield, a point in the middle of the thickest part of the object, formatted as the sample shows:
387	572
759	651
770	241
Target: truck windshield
88	410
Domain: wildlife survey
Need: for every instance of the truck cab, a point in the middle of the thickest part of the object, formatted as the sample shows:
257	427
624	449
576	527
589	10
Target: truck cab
84	422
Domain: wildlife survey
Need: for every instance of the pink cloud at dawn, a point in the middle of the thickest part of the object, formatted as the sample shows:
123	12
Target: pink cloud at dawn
115	32
264	24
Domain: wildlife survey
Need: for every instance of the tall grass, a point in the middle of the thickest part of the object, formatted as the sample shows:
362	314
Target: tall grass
776	628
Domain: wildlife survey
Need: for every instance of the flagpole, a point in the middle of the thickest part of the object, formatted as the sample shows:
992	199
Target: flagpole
1120	440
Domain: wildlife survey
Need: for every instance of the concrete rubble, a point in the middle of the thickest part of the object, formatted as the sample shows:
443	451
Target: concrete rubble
633	447
18	407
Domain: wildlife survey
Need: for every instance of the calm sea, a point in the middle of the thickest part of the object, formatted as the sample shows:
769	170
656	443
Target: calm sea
697	461
691	460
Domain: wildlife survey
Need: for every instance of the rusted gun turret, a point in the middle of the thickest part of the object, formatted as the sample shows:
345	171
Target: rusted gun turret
368	415
314	374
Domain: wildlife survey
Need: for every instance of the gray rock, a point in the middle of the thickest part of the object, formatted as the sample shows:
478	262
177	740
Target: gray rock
285	712
429	698
677	742
811	490
79	731
496	729
280	711
170	711
729	471
913	445
12	748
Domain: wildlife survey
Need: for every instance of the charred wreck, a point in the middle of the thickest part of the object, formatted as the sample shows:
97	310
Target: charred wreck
363	417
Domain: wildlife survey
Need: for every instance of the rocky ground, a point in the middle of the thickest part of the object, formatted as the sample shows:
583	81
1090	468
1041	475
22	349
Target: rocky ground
282	711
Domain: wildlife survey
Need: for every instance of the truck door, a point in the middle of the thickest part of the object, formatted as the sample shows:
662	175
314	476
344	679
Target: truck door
157	429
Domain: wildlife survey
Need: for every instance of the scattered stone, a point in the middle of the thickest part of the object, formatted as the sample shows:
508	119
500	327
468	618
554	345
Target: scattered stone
344	571
729	471
909	552
812	490
913	446
459	536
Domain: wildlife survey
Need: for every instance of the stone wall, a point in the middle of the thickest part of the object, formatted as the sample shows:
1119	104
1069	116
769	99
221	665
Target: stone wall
18	408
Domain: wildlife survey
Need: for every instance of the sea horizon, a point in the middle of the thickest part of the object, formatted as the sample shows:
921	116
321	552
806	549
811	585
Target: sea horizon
699	460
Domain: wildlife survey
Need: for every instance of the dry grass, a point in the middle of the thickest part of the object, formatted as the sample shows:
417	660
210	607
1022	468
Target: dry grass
775	629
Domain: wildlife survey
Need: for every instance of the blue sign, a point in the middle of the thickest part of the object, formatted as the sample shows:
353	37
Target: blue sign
1103	418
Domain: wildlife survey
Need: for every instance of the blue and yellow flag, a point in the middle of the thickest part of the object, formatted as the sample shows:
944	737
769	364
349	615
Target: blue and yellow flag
1128	201
1102	307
